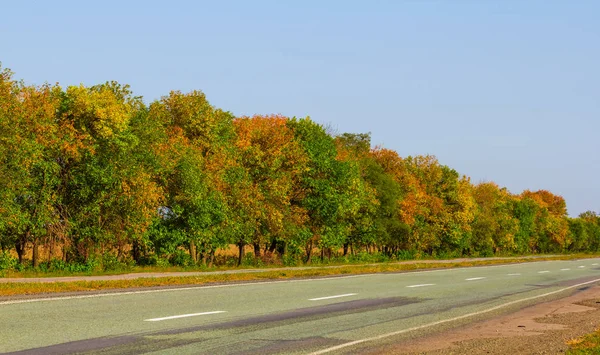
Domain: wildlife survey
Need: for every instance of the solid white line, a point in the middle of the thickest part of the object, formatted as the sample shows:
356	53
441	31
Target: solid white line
517	274
330	297
182	316
475	278
565	269
345	345
543	272
421	285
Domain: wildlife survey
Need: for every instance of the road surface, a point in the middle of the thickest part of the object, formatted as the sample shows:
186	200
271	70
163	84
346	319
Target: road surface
315	316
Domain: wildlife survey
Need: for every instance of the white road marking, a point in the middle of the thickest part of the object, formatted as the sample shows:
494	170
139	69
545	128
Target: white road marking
517	274
201	287
581	267
475	278
594	264
543	272
330	297
379	337
421	285
191	288
183	316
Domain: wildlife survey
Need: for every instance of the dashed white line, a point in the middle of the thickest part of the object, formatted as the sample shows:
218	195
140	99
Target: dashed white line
475	278
182	316
515	274
203	287
421	285
581	267
565	269
543	272
595	264
330	297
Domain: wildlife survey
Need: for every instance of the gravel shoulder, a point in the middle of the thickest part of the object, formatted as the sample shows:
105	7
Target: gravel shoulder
544	328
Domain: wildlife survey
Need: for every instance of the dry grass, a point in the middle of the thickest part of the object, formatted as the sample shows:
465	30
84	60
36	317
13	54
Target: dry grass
11	289
587	344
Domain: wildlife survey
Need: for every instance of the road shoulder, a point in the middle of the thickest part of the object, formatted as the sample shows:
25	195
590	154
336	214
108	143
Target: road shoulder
544	328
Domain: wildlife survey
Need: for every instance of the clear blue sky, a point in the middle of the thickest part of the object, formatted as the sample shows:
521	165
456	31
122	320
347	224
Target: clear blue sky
507	91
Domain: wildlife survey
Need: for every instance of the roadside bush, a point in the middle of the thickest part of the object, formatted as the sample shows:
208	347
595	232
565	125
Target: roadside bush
110	262
250	260
291	260
58	265
181	258
406	255
7	261
153	260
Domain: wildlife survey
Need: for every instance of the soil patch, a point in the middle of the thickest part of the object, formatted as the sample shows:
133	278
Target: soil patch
541	329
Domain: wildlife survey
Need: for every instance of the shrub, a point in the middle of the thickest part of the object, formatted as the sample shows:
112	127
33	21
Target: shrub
7	261
181	258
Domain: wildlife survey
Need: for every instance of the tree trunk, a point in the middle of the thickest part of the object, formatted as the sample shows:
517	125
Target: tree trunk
67	252
281	249
322	254
119	253
309	247
257	253
35	257
135	251
345	249
202	254
273	246
241	253
211	258
20	248
193	252
51	250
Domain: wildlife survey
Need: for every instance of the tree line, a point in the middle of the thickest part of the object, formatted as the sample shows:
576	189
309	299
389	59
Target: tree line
88	171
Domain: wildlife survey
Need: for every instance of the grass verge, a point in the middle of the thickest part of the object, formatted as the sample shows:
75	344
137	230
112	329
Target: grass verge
587	344
31	288
33	273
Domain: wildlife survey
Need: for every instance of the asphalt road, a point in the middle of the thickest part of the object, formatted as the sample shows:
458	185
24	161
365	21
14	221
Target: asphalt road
326	315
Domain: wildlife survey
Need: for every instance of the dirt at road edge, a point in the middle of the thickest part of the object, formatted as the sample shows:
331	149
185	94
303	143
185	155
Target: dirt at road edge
544	328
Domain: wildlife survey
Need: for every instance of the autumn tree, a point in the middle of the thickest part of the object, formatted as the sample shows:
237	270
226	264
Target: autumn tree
29	172
97	173
378	221
111	195
549	224
272	161
494	226
196	149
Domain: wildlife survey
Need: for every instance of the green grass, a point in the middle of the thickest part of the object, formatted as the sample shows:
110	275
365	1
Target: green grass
250	264
587	344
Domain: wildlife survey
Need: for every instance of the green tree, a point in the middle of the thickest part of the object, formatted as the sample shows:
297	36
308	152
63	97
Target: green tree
196	151
325	186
